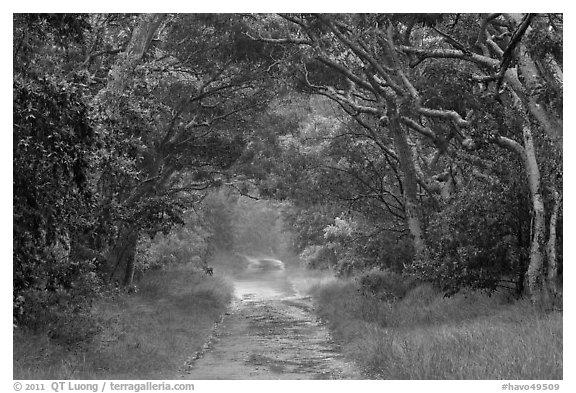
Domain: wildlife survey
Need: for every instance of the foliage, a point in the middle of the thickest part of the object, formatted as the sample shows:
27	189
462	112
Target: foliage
318	257
100	164
257	228
53	146
545	41
412	95
384	285
219	215
184	245
372	130
345	203
480	239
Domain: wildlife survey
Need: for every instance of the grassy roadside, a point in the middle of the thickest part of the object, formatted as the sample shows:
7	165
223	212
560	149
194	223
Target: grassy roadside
146	335
427	336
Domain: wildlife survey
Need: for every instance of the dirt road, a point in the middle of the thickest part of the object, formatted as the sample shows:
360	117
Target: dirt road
271	332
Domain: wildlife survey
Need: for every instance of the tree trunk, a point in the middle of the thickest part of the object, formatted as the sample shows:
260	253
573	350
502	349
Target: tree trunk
552	277
123	253
409	179
532	80
535	272
535	279
123	256
130	259
139	43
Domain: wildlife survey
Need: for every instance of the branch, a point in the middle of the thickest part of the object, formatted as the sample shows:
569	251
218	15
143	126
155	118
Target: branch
421	177
294	20
377	194
451	54
374	137
494	46
382	70
444	114
330	92
426	131
514	40
453	42
282	41
346	72
482	37
190	187
100	53
510	145
389	42
192	137
207	123
440	113
232	185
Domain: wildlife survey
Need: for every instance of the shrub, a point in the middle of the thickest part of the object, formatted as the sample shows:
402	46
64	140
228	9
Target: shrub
318	257
53	150
181	246
384	285
60	299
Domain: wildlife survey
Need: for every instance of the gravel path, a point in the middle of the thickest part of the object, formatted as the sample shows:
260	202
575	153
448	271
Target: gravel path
271	332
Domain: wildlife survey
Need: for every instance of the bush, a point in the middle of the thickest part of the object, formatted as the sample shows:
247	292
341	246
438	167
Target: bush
59	300
384	285
480	237
53	149
318	257
181	246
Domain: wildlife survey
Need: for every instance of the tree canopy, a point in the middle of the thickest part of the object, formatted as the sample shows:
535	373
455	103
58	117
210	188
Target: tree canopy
428	144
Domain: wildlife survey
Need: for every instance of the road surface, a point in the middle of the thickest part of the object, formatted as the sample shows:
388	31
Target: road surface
270	332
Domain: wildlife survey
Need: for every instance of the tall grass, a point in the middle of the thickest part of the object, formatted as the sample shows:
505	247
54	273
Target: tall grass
427	336
146	335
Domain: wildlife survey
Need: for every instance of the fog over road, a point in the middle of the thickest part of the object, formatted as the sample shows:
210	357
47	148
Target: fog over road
271	332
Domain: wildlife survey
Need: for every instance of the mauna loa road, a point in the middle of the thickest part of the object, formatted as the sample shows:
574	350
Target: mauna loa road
271	332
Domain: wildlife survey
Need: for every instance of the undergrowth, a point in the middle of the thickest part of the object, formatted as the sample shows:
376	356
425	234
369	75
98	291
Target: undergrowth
144	335
424	335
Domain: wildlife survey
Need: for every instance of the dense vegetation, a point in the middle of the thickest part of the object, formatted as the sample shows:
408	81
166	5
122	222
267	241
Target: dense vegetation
423	146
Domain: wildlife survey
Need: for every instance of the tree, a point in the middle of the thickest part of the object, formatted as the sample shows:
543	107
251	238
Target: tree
119	128
384	136
377	68
182	115
328	169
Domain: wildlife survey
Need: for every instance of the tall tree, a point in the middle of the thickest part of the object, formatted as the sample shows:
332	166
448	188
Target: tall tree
377	68
182	116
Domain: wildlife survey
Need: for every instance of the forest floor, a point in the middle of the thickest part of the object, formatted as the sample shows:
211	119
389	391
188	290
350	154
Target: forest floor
270	332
